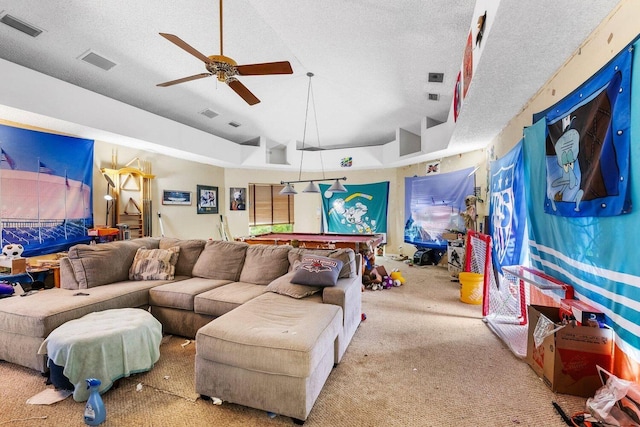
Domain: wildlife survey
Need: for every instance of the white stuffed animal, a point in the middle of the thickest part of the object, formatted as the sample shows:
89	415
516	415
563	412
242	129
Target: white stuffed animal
12	250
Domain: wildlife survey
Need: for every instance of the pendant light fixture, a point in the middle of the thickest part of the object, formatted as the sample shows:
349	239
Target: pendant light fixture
312	187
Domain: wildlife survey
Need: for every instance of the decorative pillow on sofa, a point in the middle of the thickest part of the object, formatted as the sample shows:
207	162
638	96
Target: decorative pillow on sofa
283	286
347	256
154	264
315	270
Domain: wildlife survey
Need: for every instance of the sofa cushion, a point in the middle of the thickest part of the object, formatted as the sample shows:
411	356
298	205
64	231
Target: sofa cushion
272	334
221	260
264	263
96	265
181	294
223	299
283	286
316	270
347	256
154	264
189	252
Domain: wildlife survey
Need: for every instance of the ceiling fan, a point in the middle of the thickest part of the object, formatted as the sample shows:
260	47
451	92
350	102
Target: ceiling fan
225	68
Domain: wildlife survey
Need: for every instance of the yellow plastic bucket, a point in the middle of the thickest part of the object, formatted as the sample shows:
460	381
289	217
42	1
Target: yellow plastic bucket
471	285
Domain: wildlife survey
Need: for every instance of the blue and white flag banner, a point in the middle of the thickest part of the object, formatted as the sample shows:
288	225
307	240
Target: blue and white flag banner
45	190
361	210
508	209
596	255
433	204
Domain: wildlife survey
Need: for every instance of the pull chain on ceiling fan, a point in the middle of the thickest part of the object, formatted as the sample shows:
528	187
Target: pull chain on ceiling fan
225	68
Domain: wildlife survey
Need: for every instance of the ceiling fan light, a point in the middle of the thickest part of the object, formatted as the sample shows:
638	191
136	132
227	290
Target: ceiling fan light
288	190
312	188
337	187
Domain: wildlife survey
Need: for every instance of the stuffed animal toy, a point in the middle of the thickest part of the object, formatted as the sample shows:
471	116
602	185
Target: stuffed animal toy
387	282
12	250
470	215
397	278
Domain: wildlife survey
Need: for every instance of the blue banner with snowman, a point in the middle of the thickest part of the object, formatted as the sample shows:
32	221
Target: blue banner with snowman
587	145
361	210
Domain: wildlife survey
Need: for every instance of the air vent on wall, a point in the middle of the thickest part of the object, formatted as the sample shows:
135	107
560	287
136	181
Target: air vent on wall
99	61
433	96
234	124
436	77
209	113
19	25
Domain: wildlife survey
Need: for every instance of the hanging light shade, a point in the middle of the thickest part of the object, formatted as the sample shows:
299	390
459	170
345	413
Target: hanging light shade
288	190
337	187
312	188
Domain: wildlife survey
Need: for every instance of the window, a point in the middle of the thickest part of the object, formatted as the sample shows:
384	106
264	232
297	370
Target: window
269	210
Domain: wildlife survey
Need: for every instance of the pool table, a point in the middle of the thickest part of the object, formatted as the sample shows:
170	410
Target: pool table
357	242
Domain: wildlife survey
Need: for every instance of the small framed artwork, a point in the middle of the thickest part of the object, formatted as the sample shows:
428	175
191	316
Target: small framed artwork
175	197
207	199
238	198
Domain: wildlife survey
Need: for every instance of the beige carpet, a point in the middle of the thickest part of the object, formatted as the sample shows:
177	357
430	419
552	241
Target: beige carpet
422	358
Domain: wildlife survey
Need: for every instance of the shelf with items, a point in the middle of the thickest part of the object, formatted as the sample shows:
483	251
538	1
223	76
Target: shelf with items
132	196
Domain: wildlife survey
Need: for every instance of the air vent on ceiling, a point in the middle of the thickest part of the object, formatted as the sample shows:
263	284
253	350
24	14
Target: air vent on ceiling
436	77
19	25
99	61
234	124
209	113
433	96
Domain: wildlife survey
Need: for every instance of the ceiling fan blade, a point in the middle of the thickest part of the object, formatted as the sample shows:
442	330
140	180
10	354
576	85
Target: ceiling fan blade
242	90
282	67
185	79
185	46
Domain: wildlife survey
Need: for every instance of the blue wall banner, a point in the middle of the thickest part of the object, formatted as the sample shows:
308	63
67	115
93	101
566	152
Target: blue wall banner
587	145
593	254
508	209
433	204
361	210
45	190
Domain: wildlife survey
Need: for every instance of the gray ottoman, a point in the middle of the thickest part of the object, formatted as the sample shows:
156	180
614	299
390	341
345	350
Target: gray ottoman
107	345
272	353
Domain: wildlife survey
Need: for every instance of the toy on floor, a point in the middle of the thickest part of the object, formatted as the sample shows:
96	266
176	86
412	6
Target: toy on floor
397	278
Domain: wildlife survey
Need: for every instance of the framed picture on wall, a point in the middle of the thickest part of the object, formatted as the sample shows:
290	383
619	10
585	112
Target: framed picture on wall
238	199
175	197
207	199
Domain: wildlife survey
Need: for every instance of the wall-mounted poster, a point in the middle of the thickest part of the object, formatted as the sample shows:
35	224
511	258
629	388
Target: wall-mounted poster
207	199
175	197
238	198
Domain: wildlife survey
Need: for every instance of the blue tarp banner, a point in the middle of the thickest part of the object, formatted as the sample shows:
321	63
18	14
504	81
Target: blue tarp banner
593	254
587	145
361	210
508	209
433	204
45	190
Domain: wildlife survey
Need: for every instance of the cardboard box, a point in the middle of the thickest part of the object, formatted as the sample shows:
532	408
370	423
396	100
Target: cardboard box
566	361
583	313
14	265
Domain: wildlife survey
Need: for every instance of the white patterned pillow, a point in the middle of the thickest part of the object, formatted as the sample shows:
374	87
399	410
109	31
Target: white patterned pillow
154	264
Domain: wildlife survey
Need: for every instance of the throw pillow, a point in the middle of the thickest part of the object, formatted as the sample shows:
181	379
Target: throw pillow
315	270
154	264
283	286
347	256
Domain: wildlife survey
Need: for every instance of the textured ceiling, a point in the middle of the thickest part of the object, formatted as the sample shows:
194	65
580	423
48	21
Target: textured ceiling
371	60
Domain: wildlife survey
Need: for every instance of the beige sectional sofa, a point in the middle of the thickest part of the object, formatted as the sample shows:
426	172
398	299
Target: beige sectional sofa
261	341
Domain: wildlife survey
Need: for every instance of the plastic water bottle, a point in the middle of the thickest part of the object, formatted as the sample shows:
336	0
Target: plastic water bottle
94	412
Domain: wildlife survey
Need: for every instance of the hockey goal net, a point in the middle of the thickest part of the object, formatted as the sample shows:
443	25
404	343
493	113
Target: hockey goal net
504	303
